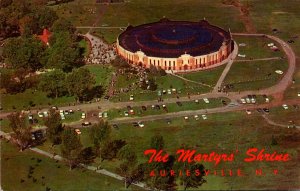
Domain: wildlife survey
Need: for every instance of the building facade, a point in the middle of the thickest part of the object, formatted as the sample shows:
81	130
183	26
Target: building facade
175	46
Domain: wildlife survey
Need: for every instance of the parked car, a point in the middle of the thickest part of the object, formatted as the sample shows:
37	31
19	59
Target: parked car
83	116
40	114
204	117
140	124
285	106
248	112
86	123
126	113
144	108
205	100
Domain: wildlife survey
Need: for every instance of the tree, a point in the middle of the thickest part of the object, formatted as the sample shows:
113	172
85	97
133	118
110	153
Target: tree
79	82
161	180
87	155
111	149
63	53
99	134
128	164
53	83
54	127
120	62
23	53
157	142
152	85
71	147
63	25
5	3
193	180
22	132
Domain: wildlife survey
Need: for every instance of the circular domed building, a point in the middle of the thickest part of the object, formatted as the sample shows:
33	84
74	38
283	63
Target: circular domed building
177	46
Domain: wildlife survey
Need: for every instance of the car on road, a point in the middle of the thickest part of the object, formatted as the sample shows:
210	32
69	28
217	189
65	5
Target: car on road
83	116
285	106
86	123
186	118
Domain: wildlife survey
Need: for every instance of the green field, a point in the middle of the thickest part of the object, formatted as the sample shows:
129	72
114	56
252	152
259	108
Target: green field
255	74
57	176
209	77
21	100
257	47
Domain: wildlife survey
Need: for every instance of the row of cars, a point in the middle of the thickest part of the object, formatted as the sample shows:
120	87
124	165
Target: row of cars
251	99
196	117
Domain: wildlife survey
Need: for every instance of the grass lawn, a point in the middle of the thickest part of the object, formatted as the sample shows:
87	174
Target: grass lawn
257	47
172	107
21	100
254	75
85	46
163	83
285	117
15	166
209	77
102	73
293	90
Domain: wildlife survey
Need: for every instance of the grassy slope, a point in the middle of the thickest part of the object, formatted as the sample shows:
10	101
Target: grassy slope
254	75
15	166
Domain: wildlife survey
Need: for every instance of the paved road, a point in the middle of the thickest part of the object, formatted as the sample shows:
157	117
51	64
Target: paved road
227	68
271	122
258	59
